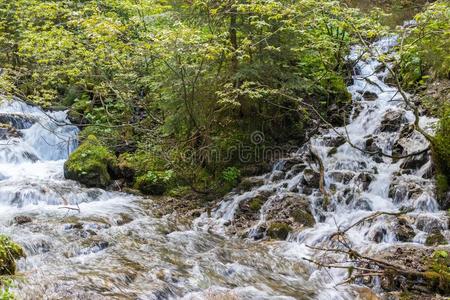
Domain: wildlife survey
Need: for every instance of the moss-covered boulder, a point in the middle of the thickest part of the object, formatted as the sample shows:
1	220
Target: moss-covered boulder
9	252
435	238
91	164
279	230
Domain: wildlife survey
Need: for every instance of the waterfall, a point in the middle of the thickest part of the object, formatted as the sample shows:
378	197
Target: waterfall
358	182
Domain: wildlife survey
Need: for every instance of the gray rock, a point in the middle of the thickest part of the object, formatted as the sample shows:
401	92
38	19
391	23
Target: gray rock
392	121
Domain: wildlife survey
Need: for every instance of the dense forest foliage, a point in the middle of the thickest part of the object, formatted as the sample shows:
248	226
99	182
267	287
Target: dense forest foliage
159	79
169	87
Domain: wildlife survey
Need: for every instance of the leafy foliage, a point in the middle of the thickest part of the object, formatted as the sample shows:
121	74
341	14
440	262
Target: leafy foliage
425	52
170	77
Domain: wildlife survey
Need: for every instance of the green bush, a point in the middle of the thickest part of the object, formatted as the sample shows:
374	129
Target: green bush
425	51
441	157
155	182
9	252
231	175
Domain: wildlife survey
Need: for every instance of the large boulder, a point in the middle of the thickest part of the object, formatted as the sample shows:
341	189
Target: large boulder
9	252
91	164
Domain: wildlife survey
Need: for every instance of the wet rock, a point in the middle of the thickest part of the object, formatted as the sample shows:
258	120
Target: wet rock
278	230
398	193
363	204
94	247
332	151
77	225
277	175
435	238
335	141
17	121
30	156
249	183
365	179
429	224
7	132
407	131
292	209
371	145
415	162
392	121
403	231
311	178
369	96
379	235
248	212
22	220
124	219
289	163
295	170
342	176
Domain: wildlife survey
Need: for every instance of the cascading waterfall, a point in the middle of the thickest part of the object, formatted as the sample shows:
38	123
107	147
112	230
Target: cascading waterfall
92	244
359	184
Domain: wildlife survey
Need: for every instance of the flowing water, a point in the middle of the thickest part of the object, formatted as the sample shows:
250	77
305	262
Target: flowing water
92	244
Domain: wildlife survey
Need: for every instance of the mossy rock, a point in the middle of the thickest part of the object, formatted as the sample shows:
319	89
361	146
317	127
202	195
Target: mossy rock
435	238
9	252
91	164
279	230
256	203
303	217
437	275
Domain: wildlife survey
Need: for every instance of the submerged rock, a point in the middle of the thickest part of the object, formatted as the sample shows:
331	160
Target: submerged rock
91	164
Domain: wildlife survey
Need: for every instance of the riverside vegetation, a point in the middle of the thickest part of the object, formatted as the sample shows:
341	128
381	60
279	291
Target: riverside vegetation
162	90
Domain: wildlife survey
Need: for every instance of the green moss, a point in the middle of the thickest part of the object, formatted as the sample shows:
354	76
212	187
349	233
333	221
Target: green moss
435	238
303	217
441	157
91	164
256	203
438	272
9	252
279	230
